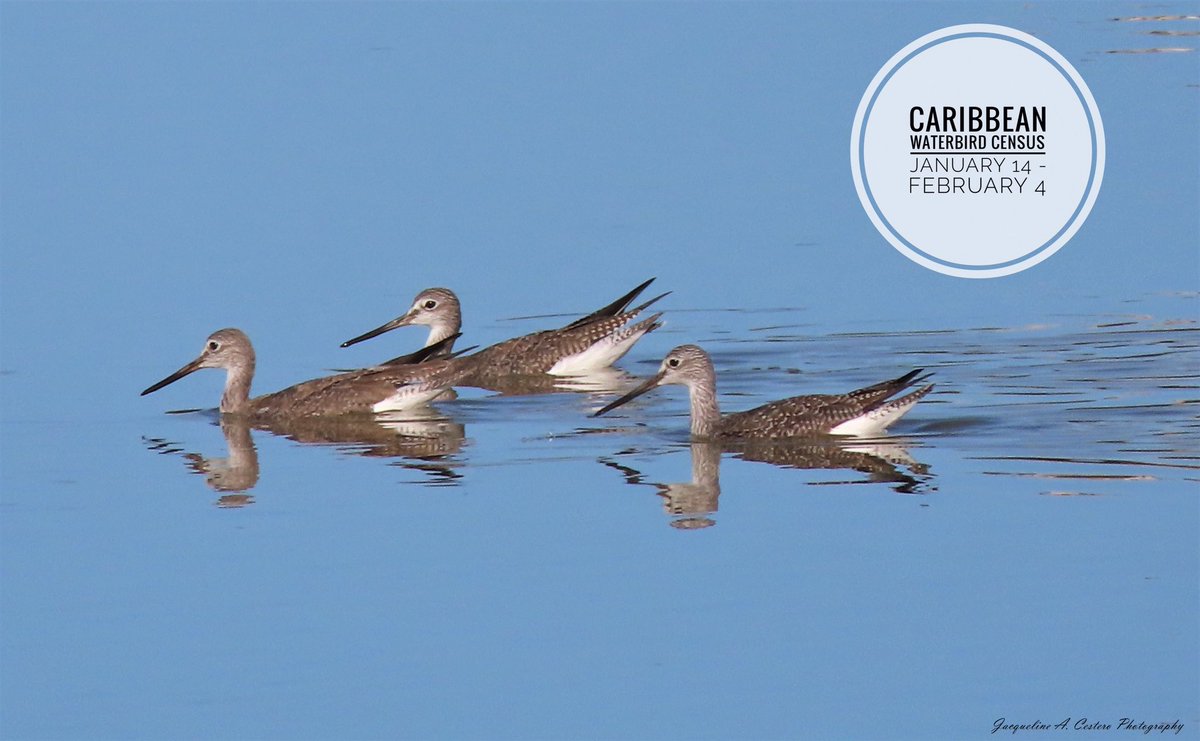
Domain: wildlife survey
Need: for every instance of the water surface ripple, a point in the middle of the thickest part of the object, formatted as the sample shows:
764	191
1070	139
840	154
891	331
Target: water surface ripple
1066	407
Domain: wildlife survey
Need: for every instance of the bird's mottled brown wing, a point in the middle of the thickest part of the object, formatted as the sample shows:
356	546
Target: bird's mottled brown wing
538	352
356	391
439	350
613	309
876	393
794	417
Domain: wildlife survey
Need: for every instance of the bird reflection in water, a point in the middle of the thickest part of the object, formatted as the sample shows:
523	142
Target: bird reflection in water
884	461
232	475
421	442
691	504
598	381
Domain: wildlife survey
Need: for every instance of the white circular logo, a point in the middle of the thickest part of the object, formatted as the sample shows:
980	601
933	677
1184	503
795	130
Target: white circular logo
977	151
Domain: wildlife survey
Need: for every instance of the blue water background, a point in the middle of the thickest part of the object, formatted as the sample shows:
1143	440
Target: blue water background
301	170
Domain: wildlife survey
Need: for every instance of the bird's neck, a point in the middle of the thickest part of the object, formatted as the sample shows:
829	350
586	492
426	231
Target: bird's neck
236	398
441	330
706	414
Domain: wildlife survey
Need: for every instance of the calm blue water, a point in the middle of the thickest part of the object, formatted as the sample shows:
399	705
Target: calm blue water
1024	545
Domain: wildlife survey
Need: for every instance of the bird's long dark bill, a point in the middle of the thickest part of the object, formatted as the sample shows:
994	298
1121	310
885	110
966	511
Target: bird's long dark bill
399	321
649	384
185	370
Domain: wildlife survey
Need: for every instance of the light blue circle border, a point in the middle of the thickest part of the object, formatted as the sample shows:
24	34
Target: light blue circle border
861	159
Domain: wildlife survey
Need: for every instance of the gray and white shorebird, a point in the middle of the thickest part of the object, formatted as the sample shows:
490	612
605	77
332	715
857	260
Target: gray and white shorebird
589	343
864	412
391	388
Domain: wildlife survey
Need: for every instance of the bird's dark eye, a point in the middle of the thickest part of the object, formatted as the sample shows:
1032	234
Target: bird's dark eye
431	304
213	345
673	362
